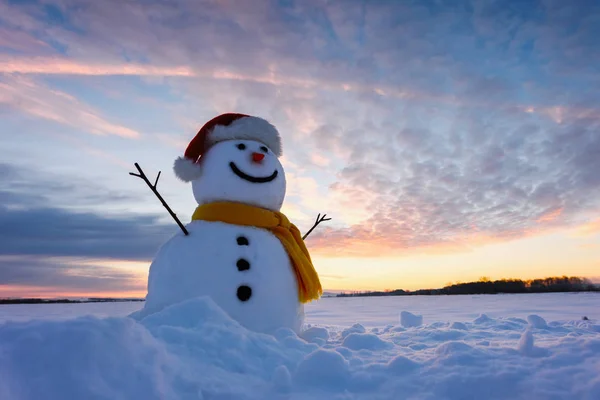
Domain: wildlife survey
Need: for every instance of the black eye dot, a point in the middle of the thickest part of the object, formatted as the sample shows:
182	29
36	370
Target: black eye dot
264	149
244	292
242	241
241	146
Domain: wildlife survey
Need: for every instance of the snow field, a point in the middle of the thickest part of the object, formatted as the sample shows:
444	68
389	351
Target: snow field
193	350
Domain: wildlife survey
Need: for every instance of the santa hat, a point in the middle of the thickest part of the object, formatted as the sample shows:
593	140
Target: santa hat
229	126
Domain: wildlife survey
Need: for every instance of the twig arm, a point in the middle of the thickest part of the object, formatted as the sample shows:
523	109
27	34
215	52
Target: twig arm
152	187
317	222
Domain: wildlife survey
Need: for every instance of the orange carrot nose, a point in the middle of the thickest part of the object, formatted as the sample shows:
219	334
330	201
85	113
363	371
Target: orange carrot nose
257	157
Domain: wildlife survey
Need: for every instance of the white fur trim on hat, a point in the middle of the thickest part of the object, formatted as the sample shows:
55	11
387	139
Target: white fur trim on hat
248	128
186	170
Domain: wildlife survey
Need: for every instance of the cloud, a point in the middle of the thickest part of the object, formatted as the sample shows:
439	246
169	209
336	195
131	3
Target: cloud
46	231
67	274
62	66
418	177
397	51
32	223
448	126
33	98
50	249
404	44
588	229
20	41
476	178
27	188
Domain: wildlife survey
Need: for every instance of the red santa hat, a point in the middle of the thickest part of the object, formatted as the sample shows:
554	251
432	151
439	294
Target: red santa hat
229	126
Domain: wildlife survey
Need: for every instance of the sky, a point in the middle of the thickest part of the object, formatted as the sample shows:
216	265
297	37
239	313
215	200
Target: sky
447	140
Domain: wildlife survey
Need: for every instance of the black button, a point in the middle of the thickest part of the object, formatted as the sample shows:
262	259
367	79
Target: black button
244	292
242	241
243	265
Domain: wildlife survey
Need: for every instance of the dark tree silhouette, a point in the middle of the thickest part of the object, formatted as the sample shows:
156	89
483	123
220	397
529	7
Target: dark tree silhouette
486	286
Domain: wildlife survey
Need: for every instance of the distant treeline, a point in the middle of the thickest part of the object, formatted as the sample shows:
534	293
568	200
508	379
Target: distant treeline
48	301
486	286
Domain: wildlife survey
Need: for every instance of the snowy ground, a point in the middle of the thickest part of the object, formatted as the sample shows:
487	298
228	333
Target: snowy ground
438	347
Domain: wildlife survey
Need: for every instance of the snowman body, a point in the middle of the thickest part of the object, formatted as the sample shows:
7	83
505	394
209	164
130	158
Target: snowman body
245	270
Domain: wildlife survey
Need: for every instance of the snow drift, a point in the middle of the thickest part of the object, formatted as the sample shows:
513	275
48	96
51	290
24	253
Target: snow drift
193	350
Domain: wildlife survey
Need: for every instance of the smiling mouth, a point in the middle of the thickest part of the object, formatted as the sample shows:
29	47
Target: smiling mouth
251	178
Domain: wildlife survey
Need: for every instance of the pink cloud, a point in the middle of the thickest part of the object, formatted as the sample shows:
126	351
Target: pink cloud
45	65
21	41
38	100
61	66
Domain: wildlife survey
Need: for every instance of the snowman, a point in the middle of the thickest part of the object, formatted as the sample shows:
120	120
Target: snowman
239	249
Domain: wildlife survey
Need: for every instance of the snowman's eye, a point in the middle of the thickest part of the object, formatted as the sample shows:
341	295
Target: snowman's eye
264	149
241	146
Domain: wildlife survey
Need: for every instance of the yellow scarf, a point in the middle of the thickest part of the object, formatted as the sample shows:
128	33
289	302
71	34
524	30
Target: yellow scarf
309	287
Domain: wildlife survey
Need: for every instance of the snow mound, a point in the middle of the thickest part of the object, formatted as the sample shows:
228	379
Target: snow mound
84	358
410	320
323	368
282	379
401	364
458	326
315	334
356	328
365	341
527	345
537	322
450	348
193	350
483	319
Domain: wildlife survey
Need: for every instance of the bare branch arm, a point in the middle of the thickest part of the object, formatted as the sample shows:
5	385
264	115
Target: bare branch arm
317	222
142	175
156	182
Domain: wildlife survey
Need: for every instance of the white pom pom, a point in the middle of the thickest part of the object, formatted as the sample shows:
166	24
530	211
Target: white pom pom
186	170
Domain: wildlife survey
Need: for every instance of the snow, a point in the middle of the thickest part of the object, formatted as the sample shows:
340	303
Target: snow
410	320
480	347
315	334
322	368
366	341
459	326
537	322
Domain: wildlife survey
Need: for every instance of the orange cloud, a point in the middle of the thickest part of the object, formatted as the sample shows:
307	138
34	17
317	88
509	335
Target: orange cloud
550	216
45	292
374	238
589	229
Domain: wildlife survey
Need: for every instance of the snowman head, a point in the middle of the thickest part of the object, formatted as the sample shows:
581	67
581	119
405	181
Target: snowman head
235	157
